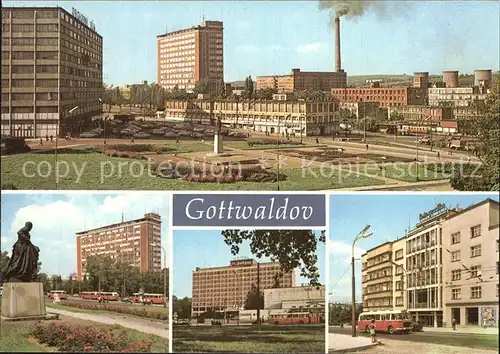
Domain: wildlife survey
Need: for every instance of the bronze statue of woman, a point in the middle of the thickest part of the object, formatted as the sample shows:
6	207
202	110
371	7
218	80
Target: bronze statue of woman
23	263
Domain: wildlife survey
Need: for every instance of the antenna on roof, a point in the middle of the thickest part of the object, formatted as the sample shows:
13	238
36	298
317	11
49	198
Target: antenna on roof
122	215
203	16
166	28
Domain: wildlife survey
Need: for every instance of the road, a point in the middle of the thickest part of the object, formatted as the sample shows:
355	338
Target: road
471	340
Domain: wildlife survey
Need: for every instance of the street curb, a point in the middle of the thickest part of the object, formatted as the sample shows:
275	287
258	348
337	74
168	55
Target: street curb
355	349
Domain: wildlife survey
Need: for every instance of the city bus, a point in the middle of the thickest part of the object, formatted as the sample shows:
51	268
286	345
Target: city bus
63	295
386	321
295	318
156	299
110	296
89	295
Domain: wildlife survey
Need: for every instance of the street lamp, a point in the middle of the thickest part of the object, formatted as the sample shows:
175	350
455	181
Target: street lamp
164	275
361	235
278	147
57	140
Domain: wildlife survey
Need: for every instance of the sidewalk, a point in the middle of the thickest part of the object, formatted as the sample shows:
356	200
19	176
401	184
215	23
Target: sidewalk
473	330
343	343
145	326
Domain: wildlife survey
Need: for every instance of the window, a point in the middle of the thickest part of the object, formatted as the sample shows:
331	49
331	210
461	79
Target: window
22	97
46	55
455	238
46	83
475	271
399	301
475	251
399	254
23	56
456	294
22	69
25	14
475	231
46	69
475	292
22	28
22	83
456	274
5	69
455	256
23	41
47	41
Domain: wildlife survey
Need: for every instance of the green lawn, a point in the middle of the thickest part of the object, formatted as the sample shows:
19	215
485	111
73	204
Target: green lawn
14	336
68	307
96	171
406	172
243	145
249	339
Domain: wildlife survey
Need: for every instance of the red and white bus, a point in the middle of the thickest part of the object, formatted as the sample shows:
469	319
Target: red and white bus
156	299
89	295
295	318
94	295
63	295
395	321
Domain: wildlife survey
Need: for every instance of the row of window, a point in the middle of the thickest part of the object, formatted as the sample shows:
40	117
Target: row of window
475	231
475	251
475	293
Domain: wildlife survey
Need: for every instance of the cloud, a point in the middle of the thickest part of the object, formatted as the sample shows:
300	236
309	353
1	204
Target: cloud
342	250
244	25
309	48
55	222
340	254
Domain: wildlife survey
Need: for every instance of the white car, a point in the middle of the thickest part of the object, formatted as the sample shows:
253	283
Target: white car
88	135
141	135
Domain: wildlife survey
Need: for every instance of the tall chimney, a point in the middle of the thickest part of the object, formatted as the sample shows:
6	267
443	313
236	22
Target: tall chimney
338	63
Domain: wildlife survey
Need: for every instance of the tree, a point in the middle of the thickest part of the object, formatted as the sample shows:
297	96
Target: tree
485	125
395	116
291	248
46	281
4	261
265	94
254	299
182	307
249	88
202	87
371	124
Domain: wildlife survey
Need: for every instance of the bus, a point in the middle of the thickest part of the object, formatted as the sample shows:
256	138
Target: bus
110	296
156	299
295	318
89	295
63	295
395	321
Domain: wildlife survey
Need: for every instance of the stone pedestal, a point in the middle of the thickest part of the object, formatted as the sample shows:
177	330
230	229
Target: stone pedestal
23	300
218	149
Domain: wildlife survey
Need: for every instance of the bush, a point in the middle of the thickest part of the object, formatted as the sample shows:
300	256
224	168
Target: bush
123	154
132	147
128	310
77	338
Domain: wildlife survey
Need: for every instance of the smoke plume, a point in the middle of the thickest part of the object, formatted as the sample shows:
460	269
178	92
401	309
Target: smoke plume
357	8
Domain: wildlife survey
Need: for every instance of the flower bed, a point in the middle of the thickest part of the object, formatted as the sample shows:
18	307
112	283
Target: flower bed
77	338
272	142
129	310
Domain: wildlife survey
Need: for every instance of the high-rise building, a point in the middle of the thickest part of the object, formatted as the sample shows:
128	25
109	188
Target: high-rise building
135	242
443	269
51	63
192	55
225	289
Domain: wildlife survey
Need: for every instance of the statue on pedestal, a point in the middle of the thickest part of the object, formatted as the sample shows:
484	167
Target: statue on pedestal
23	264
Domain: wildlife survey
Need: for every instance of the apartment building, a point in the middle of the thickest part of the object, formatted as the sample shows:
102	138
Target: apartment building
470	265
445	267
51	72
190	55
135	242
299	118
377	275
225	289
303	80
385	96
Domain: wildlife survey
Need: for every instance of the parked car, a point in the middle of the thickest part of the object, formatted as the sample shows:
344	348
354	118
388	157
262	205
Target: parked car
417	327
88	135
216	323
141	135
425	141
183	321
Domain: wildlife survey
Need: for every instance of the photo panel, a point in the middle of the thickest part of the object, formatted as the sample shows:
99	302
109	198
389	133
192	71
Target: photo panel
244	283
421	265
259	291
85	272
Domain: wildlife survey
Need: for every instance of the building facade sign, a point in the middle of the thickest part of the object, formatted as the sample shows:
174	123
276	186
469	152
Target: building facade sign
440	208
79	16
